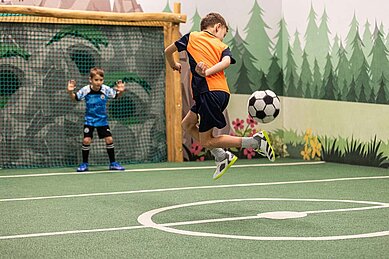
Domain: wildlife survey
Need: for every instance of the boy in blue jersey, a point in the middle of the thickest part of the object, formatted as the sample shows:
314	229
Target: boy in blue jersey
208	57
96	96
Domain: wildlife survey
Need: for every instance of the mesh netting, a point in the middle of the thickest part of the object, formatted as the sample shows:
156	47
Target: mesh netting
41	127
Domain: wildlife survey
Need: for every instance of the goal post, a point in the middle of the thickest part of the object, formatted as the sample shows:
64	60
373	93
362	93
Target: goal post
42	48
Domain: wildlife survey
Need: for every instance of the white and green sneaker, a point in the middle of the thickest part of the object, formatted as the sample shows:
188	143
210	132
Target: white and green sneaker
222	166
264	145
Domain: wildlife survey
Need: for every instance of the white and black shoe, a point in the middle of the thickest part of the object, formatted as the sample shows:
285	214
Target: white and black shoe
222	166
264	145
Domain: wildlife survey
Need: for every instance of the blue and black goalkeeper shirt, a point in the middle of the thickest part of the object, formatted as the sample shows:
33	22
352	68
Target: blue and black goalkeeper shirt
96	104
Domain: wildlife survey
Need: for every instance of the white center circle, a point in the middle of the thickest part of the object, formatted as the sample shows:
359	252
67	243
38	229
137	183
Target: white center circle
146	219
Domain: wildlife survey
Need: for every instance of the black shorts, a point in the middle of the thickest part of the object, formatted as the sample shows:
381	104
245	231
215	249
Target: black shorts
102	132
210	106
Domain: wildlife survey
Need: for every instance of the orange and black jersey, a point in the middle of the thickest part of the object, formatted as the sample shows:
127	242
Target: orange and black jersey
205	47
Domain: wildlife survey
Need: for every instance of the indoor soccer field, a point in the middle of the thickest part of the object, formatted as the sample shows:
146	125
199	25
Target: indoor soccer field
287	209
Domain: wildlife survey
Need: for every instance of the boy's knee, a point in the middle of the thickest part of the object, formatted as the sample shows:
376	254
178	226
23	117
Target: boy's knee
87	141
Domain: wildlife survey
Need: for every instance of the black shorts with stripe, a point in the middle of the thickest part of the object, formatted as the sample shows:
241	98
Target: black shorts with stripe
209	106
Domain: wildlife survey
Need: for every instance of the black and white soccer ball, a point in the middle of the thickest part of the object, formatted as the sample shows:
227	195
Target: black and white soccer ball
264	106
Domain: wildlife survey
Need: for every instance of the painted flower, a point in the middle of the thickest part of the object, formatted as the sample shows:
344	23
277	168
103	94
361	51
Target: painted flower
316	147
307	136
202	158
251	122
196	148
306	153
253	132
249	152
238	124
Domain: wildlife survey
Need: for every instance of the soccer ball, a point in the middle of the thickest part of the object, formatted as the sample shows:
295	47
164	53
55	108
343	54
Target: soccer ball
264	106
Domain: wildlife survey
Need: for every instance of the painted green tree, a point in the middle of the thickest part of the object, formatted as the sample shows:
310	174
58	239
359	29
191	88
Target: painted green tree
259	43
343	69
236	47
351	35
330	92
282	39
196	19
323	42
367	39
351	94
167	8
357	57
317	80
243	81
263	83
362	84
311	35
335	49
290	68
379	61
273	76
382	96
306	73
297	51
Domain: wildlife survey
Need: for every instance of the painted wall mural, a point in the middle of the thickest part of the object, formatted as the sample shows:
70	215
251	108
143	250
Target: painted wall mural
327	60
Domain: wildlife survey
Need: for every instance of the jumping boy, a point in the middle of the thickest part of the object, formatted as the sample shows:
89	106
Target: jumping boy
96	96
208	57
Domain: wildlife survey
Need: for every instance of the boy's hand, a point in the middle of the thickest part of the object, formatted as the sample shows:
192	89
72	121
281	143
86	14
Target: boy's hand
201	68
71	85
120	86
177	67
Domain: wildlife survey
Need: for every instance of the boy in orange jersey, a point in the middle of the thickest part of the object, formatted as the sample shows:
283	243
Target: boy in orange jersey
208	57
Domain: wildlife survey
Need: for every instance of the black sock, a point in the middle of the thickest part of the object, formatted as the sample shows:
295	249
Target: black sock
85	153
111	152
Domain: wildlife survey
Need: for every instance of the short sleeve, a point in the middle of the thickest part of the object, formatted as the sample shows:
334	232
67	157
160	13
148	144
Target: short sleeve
80	95
227	52
182	43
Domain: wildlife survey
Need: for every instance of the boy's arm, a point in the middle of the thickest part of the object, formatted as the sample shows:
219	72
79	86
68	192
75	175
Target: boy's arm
203	70
70	89
170	59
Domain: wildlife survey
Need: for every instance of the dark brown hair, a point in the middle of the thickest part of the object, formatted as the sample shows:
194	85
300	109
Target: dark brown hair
96	71
211	19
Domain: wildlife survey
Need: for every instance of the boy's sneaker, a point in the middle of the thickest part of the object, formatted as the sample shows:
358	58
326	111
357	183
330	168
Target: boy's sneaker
265	147
222	166
83	167
115	166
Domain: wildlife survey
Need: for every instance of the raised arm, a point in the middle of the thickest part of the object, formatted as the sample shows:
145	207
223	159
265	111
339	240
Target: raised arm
70	89
169	51
120	88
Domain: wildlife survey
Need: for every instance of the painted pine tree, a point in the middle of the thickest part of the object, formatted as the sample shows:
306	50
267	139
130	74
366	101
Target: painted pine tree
311	35
379	61
362	84
317	80
243	82
290	68
196	19
351	35
330	92
323	42
343	69
167	8
382	96
357	56
232	71
282	39
297	51
351	94
335	49
257	38
263	83
367	38
273	75
306	76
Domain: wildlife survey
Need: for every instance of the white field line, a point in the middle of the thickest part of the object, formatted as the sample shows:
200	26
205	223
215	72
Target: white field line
190	188
161	169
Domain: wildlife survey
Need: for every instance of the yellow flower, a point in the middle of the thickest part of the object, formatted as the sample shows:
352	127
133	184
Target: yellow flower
316	147
308	134
306	153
